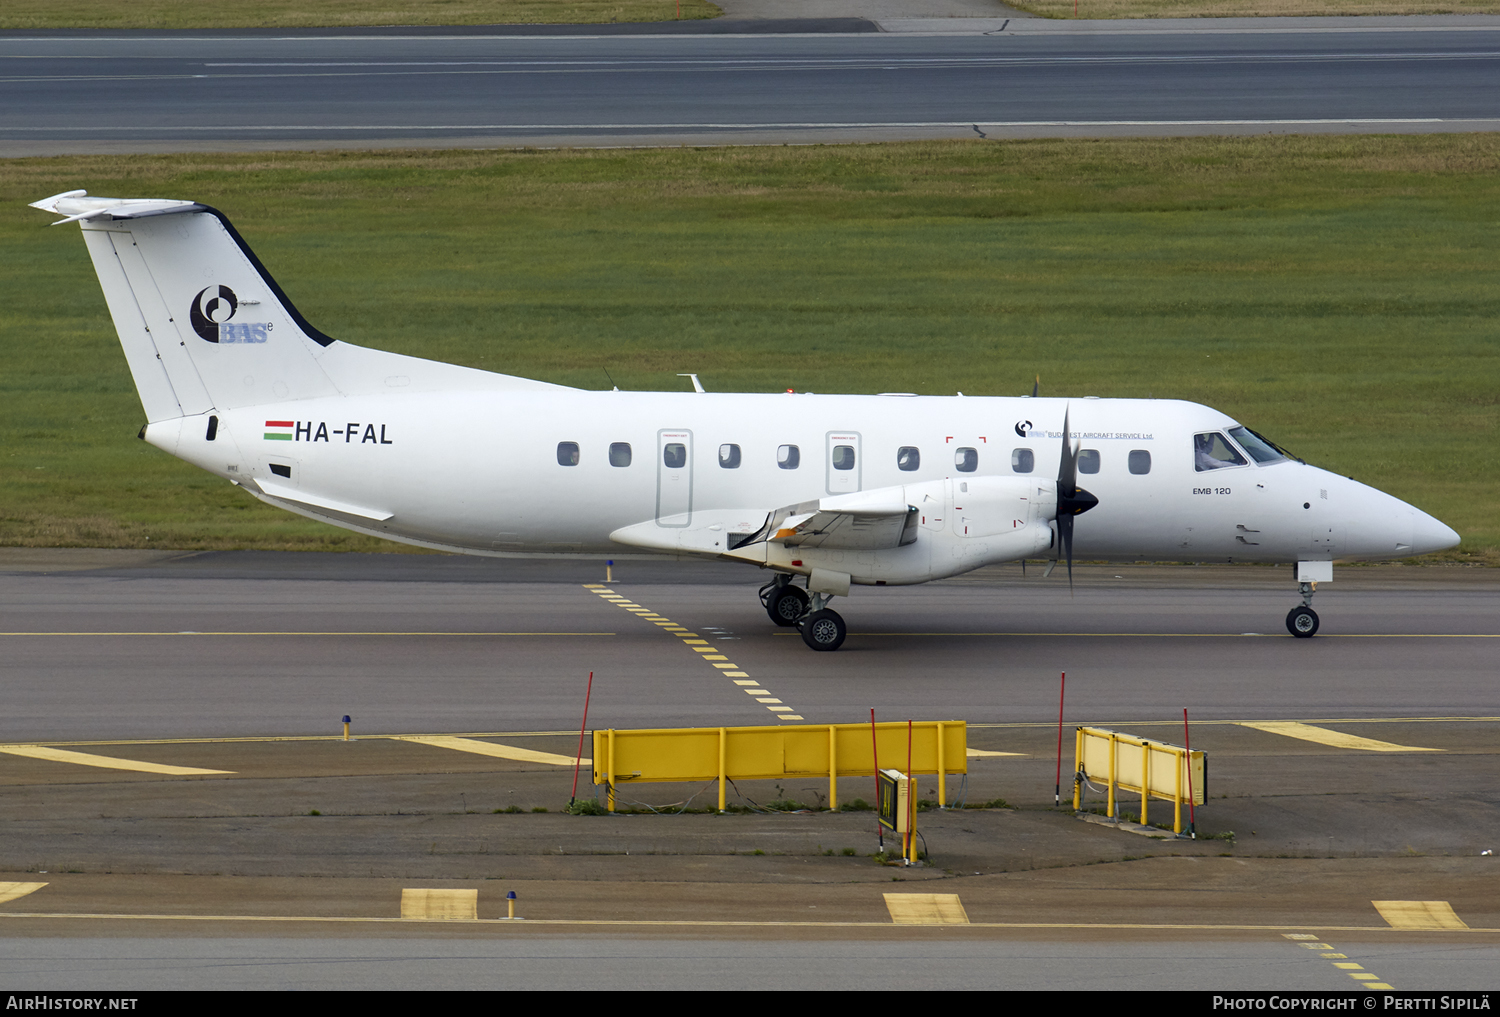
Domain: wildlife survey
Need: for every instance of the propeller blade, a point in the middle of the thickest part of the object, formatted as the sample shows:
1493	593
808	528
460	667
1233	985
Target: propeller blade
1065	537
1067	467
1037	387
1072	500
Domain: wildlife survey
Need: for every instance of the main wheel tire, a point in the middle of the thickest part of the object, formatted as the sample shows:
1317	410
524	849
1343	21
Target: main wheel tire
823	630
1302	622
786	605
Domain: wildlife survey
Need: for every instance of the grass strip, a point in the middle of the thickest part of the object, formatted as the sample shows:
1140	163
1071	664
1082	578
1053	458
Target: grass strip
1337	293
169	14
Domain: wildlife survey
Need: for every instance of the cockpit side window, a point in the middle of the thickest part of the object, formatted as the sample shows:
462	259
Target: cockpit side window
1212	451
1260	450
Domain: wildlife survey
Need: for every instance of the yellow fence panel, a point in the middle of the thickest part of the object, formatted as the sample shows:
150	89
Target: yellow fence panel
1151	769
667	755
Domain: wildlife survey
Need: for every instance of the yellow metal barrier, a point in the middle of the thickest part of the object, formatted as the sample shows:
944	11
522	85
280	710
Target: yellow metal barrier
667	755
1140	766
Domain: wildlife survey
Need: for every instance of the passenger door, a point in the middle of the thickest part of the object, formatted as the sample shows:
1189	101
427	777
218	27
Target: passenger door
674	478
842	456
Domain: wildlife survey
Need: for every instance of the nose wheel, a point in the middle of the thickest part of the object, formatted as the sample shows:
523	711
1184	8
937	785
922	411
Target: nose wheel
1302	621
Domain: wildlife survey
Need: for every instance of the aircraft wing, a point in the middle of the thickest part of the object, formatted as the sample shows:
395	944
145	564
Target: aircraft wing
864	521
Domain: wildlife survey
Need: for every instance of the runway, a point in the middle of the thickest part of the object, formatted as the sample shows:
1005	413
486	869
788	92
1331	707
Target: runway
232	643
71	92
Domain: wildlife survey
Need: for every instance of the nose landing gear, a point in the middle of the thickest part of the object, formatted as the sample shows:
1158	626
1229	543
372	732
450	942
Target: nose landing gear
1302	621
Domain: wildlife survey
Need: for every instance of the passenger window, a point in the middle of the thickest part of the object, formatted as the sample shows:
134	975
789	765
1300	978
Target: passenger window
619	453
1140	462
1022	460
908	458
567	453
843	457
674	456
729	457
1211	451
788	457
1088	461
966	460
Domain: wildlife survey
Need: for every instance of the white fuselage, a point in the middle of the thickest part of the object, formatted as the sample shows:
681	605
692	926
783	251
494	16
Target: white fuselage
479	471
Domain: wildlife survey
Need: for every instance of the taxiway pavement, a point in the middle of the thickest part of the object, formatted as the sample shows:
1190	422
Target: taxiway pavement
238	828
741	82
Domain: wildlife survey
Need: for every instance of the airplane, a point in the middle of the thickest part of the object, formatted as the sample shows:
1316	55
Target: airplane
837	490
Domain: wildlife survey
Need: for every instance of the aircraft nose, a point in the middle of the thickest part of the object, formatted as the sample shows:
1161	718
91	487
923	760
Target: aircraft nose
1429	534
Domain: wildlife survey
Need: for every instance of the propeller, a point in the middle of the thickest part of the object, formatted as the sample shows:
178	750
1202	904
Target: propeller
1072	500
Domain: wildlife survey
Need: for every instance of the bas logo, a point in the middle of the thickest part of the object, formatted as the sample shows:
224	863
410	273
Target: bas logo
1023	428
210	316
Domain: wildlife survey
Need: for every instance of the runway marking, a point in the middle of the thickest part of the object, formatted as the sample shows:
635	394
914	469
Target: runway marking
706	649
697	923
926	909
479	748
1191	635
12	891
1323	736
984	753
192	633
440	904
1340	961
1419	914
104	762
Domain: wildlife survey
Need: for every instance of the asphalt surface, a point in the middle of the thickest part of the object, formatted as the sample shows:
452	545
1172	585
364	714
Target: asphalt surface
286	864
69	92
287	644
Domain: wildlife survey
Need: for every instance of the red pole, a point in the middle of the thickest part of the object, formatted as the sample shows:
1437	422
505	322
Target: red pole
579	760
1192	814
875	753
1057	788
911	799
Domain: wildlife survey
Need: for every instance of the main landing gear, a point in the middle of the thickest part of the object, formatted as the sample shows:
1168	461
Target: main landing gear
789	606
1302	621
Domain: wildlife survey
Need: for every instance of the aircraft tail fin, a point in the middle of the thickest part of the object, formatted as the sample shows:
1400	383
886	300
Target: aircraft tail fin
203	324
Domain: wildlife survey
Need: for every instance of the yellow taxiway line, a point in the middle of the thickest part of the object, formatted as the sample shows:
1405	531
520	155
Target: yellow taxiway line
495	749
1324	736
104	762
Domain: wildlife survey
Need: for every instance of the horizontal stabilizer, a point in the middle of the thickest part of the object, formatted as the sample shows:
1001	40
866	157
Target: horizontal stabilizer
77	206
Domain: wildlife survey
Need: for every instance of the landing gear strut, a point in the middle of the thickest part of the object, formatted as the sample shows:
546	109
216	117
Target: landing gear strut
1302	621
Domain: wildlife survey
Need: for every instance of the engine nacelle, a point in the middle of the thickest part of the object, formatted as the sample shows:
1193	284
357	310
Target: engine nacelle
963	524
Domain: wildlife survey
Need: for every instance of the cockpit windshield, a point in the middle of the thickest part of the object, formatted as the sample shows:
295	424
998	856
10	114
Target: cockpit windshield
1212	452
1261	450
